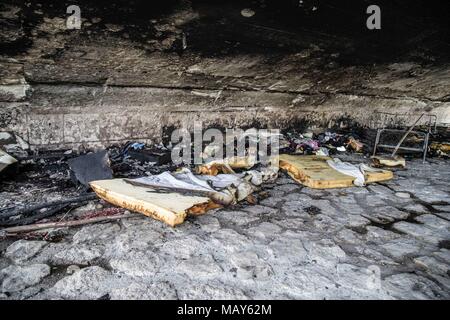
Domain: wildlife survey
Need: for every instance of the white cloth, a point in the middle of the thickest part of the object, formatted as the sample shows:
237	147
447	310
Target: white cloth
185	179
223	188
352	170
348	169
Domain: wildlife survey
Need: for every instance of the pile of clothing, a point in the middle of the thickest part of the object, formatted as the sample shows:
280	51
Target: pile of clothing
324	144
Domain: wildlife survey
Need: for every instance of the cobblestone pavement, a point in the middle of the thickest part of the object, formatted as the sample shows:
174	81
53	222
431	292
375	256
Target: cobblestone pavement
384	241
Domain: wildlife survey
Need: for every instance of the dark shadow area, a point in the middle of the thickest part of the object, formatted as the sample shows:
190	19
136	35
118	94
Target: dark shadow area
417	30
420	26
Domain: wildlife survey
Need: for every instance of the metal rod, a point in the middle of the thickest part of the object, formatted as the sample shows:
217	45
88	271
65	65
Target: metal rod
377	140
406	134
73	223
386	146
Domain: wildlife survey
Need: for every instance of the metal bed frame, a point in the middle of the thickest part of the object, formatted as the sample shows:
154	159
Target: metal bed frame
430	124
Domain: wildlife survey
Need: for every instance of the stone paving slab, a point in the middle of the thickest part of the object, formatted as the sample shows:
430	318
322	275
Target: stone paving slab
298	243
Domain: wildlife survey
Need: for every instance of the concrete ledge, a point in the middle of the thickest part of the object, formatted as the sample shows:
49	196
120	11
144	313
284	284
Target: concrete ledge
68	116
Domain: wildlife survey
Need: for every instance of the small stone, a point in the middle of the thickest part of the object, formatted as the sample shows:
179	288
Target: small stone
81	255
238	217
433	222
421	232
30	292
247	12
88	283
411	286
136	264
23	250
416	208
197	267
348	236
403	195
249	266
401	248
384	214
379	235
72	269
17	278
357	221
265	230
208	223
432	265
